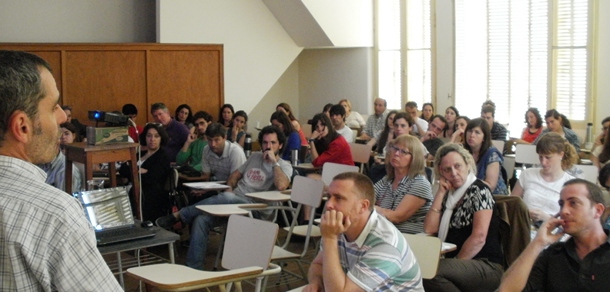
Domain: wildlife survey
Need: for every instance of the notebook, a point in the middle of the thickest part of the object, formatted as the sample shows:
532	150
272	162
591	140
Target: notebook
109	212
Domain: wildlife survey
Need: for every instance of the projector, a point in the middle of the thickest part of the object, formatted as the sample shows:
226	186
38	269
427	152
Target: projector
112	118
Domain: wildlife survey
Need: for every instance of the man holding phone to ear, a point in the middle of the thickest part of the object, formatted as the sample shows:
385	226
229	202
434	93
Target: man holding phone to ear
263	171
580	264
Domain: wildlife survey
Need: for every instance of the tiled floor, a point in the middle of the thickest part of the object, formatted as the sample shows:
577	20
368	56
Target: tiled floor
180	255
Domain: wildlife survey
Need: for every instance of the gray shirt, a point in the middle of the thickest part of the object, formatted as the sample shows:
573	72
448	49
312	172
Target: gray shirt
257	176
222	166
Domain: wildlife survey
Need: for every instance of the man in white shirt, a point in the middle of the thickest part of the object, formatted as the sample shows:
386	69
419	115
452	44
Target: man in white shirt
337	117
420	126
376	122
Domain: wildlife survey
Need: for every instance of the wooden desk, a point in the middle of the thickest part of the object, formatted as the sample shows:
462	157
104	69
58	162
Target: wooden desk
90	155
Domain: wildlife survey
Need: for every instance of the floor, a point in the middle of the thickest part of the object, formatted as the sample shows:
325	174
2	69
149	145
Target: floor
296	245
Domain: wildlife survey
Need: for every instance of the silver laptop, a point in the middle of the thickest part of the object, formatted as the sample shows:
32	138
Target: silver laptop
109	212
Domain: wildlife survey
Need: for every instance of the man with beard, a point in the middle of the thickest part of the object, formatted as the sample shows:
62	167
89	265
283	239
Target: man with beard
192	151
46	243
263	171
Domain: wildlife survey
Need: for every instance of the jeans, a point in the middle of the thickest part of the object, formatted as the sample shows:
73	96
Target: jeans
201	224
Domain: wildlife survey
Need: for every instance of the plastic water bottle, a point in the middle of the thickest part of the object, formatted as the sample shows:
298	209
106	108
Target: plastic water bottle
248	145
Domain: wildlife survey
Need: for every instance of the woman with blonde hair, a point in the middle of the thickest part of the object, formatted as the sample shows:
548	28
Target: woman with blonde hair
352	118
540	187
462	213
404	195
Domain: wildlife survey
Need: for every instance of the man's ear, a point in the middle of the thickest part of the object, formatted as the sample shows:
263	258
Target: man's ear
20	126
599	210
365	203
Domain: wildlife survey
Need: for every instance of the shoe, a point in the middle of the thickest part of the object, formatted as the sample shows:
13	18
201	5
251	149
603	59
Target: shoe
166	222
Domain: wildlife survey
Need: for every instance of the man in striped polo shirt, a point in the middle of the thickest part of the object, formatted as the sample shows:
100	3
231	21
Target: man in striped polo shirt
361	251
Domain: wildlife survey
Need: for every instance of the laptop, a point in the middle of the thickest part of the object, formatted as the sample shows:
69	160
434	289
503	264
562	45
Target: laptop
109	212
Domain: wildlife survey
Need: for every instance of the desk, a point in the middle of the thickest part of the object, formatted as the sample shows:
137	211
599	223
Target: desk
161	237
270	196
306	167
111	153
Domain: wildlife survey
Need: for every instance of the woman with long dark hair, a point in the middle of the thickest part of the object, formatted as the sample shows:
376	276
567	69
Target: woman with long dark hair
556	122
487	157
327	145
533	126
451	114
236	132
154	167
293	141
184	115
295	123
225	115
427	112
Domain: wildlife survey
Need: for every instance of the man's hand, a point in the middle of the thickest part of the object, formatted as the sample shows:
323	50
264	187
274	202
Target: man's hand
191	137
269	156
313	288
428	135
544	236
334	223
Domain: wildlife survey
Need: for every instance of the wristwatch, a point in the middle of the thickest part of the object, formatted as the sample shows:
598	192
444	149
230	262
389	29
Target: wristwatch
312	140
276	164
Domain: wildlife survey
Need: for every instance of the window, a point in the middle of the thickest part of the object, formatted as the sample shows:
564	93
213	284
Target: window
513	51
404	55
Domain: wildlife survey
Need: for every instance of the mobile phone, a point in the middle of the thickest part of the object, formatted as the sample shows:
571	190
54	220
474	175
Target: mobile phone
558	229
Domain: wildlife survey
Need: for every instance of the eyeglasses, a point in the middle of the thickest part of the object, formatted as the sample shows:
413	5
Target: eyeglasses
401	152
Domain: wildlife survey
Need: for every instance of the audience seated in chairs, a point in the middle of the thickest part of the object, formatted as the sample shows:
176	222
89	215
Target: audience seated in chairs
236	132
557	123
488	158
184	115
190	156
462	214
327	145
154	168
225	115
404	195
177	132
295	123
131	111
352	118
263	171
451	115
540	187
293	141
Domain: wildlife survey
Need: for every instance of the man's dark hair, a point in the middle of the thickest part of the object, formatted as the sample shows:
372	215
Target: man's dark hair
202	115
216	130
281	138
327	107
605	120
604	175
157	106
594	193
129	109
488	109
442	119
406	116
337	109
411	104
160	130
20	86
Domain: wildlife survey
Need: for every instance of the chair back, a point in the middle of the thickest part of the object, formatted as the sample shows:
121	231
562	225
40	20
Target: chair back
514	226
427	251
509	165
249	242
307	191
331	169
499	144
361	153
590	172
525	153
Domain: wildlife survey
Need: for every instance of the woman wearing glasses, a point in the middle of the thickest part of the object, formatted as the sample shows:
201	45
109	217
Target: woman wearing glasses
462	214
404	195
327	145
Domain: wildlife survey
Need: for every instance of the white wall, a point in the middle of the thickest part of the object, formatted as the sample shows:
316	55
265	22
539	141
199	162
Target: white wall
257	50
352	27
602	65
328	75
57	21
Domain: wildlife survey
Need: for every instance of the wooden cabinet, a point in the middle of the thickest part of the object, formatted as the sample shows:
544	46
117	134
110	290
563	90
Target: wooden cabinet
106	76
